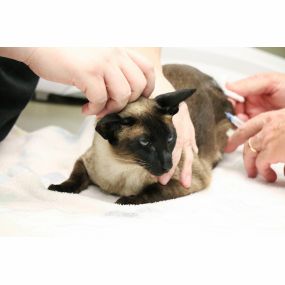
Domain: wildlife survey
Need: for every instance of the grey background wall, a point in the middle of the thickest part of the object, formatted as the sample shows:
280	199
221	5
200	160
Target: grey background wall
275	50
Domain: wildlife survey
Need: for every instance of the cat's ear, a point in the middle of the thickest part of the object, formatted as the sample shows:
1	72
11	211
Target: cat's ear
109	126
169	103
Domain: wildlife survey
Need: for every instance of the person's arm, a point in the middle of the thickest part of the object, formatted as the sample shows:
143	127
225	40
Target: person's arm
109	77
140	67
19	54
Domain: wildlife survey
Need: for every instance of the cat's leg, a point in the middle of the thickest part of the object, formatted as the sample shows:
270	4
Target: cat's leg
221	140
78	180
221	130
157	192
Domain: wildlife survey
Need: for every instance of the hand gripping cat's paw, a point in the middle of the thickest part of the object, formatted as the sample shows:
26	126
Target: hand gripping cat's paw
131	200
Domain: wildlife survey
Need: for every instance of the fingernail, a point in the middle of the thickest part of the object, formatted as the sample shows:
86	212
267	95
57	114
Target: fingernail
163	180
196	150
86	110
187	181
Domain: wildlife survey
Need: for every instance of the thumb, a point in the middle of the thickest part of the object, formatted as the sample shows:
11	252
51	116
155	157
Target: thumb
253	85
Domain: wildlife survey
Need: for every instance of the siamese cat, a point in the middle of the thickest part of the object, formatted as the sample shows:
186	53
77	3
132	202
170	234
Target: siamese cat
134	146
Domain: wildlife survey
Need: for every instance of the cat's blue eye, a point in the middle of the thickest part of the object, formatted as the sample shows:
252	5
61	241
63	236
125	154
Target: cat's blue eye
144	141
170	138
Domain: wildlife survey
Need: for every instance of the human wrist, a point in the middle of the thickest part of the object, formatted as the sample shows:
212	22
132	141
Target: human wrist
162	85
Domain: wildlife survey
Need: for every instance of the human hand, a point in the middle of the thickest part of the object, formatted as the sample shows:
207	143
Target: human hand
185	142
109	77
264	138
262	92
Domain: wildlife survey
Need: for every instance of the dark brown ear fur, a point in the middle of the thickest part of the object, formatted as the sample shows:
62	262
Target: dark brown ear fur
169	103
111	124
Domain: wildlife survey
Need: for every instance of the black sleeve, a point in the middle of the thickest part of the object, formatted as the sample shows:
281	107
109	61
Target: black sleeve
17	85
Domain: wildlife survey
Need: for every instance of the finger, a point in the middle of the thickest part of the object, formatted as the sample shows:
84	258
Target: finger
241	111
192	132
186	173
183	108
232	101
112	106
249	160
239	108
241	135
96	93
264	167
145	65
90	109
254	85
119	90
176	155
135	77
243	117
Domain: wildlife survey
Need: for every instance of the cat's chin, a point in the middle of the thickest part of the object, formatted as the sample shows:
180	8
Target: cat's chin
157	173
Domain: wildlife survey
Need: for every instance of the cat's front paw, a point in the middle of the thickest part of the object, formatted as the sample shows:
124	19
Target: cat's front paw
56	187
130	200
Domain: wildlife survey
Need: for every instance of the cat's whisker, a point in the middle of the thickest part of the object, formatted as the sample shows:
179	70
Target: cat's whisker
143	163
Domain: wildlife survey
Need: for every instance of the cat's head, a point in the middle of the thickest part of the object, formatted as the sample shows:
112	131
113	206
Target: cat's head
143	132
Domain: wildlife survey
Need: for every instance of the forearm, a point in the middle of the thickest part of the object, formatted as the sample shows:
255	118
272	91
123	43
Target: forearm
17	53
162	85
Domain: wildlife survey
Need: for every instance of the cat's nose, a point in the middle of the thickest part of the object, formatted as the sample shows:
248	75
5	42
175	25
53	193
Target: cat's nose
166	167
166	162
